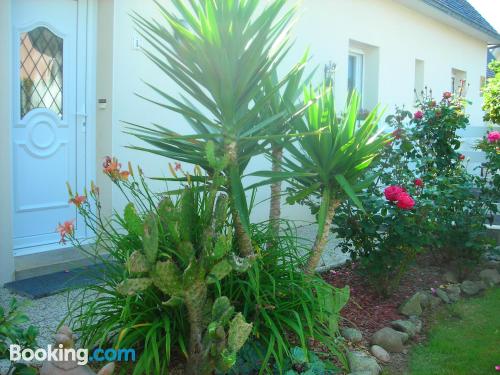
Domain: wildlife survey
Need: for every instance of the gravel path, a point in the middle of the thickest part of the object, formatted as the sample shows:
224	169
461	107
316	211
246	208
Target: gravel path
45	313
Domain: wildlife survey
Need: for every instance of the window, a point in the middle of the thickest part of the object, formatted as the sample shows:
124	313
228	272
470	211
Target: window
458	82
419	76
482	83
355	73
363	72
41	70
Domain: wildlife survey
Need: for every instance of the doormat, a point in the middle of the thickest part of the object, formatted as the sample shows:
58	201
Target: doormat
46	285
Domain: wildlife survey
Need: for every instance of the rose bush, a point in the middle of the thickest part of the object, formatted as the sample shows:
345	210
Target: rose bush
385	237
458	211
490	170
422	199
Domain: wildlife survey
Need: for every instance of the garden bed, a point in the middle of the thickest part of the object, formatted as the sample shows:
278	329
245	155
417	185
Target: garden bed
369	312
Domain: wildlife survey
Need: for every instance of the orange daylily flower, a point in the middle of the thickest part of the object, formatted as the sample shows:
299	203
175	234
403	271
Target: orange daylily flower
77	200
66	229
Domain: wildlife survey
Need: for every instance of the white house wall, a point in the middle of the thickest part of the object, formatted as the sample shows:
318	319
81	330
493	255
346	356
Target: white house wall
400	35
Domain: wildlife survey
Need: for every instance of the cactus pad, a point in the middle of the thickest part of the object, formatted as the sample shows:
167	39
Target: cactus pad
219	271
137	263
167	278
239	330
222	310
130	287
133	222
150	238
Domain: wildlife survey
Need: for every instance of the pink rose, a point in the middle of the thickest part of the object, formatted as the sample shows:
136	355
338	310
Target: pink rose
493	136
446	95
418	115
392	192
405	202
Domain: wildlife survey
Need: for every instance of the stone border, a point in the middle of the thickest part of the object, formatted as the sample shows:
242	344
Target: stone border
392	339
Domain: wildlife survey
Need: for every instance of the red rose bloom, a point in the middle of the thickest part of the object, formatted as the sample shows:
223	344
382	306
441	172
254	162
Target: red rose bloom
461	157
392	192
397	133
446	95
405	202
418	115
419	182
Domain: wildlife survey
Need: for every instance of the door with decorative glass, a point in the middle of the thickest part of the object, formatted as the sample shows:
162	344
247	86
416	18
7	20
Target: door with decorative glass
48	127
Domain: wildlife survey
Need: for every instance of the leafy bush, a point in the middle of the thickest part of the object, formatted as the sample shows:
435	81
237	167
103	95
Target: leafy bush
12	332
491	94
287	306
181	249
300	361
135	306
307	363
456	220
423	198
490	145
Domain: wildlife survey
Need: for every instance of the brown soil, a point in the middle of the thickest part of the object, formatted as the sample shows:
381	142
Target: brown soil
369	312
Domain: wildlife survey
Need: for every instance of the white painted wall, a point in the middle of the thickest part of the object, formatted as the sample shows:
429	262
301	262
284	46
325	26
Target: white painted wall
401	35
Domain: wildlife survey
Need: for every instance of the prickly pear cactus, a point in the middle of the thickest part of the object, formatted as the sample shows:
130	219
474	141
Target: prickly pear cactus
186	248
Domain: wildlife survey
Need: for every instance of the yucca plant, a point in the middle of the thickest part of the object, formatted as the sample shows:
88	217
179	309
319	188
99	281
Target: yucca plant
331	161
219	52
284	101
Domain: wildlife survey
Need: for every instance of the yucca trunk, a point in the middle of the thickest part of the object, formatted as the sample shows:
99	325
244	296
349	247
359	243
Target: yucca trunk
244	241
321	239
275	207
195	305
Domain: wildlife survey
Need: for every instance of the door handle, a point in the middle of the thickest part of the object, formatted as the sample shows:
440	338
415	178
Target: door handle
82	117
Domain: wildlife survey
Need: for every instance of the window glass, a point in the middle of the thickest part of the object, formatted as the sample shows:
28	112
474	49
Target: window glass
41	71
355	73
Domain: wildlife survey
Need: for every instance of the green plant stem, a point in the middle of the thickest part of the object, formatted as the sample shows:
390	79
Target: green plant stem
321	238
275	207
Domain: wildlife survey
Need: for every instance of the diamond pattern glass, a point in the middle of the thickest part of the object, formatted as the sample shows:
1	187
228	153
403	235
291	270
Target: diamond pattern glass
41	71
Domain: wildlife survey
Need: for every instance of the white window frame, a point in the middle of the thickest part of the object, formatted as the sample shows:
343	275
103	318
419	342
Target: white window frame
359	70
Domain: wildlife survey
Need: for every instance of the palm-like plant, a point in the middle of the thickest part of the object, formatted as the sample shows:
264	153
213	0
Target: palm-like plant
331	161
219	52
285	101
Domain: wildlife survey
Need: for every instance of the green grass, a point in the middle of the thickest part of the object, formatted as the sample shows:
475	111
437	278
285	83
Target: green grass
464	339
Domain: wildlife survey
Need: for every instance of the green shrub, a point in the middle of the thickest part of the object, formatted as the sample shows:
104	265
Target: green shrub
181	250
458	210
133	308
12	332
444	214
491	94
287	306
490	169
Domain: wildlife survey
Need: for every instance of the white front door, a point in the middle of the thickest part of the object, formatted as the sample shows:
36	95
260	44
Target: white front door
48	118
